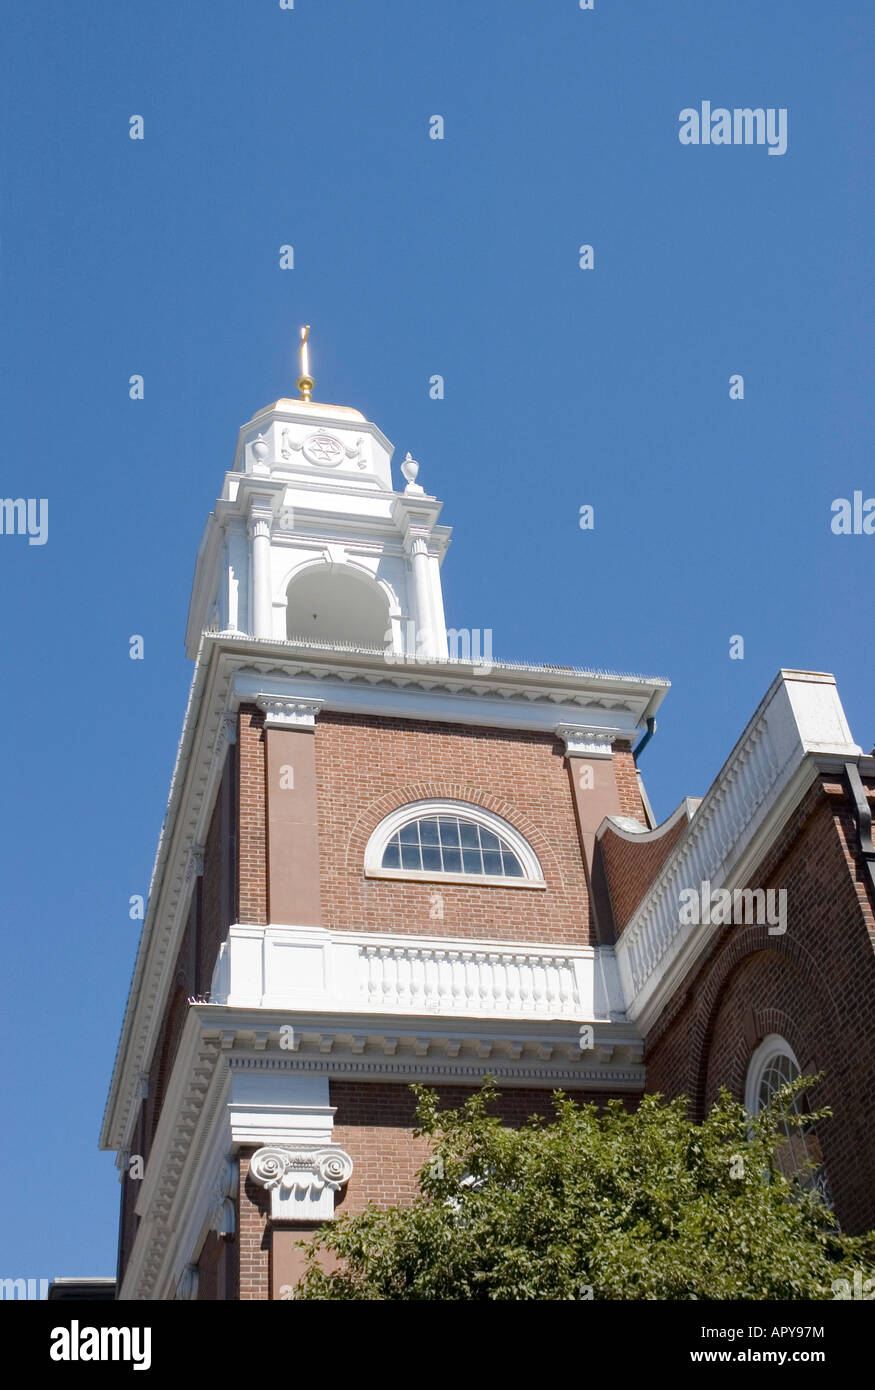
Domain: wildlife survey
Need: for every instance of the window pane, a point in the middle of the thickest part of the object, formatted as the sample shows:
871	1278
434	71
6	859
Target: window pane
488	840
449	831
452	861
470	838
410	834
492	862
428	832
472	861
411	857
392	855
512	866
431	857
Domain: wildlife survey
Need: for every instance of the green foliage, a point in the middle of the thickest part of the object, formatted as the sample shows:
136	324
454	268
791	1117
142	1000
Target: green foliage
602	1204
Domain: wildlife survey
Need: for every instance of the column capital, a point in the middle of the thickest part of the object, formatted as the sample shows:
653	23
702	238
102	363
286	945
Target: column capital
288	713
586	740
260	514
302	1179
416	543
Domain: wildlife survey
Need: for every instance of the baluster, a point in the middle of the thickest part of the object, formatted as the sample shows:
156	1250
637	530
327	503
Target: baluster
417	977
482	978
457	977
566	984
440	985
385	961
514	984
372	979
403	967
494	991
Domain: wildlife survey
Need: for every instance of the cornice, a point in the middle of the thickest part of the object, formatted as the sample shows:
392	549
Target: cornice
627	828
207	733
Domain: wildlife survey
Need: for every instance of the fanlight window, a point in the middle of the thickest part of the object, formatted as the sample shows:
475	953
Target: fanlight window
771	1067
450	846
451	840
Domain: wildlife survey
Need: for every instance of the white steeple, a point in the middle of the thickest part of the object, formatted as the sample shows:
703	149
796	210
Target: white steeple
309	541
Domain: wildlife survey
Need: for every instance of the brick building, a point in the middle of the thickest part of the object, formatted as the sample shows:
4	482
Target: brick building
388	857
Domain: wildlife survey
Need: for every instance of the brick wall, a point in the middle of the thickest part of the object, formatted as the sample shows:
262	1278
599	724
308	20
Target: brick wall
253	1235
368	767
630	867
815	985
252	842
628	787
374	1123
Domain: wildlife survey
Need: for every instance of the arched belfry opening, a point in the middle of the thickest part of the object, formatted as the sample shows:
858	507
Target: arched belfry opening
332	603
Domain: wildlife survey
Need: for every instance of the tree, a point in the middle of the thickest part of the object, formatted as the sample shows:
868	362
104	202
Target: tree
604	1204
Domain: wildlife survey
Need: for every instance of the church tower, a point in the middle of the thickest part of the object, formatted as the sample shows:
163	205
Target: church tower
389	857
378	866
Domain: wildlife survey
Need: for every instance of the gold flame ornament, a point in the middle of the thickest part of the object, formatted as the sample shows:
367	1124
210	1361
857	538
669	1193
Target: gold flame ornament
305	381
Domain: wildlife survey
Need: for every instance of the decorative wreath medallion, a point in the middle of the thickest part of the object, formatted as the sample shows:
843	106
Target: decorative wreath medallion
324	450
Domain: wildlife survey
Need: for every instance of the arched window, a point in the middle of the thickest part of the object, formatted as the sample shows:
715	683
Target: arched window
452	841
772	1065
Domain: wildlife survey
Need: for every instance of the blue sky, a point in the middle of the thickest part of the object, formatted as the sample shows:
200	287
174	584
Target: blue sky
412	257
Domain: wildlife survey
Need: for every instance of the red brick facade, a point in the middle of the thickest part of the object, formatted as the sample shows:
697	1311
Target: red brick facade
252	842
631	866
374	1123
814	985
369	767
626	774
253	1235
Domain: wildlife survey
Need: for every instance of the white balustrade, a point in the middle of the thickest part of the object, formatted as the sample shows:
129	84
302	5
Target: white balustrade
801	714
307	967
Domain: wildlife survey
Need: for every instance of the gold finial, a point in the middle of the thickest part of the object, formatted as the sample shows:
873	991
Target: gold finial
305	381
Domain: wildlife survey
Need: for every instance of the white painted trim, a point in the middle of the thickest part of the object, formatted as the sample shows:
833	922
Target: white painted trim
472	880
294	968
627	828
770	1048
464	810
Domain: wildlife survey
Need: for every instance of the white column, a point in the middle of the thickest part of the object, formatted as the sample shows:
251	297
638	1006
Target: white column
259	535
237	562
421	587
439	622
